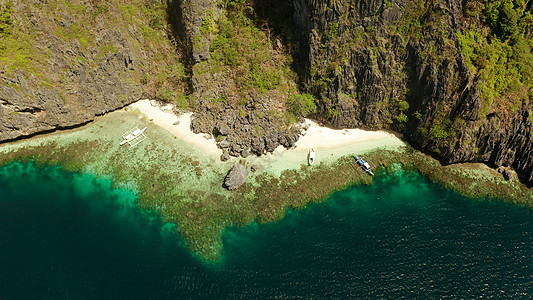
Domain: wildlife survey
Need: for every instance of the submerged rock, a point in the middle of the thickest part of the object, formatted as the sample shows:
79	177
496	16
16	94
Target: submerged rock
236	177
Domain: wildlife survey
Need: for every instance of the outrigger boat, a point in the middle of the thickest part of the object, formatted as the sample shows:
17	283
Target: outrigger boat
364	165
133	136
311	156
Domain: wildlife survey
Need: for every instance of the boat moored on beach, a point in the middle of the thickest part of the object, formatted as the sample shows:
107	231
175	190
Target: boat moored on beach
364	165
311	156
133	136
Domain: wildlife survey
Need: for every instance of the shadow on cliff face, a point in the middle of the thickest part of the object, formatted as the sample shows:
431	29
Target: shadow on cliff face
174	19
284	23
177	35
275	17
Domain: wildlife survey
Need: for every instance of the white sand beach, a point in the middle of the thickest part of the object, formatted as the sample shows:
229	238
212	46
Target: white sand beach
329	144
180	126
321	137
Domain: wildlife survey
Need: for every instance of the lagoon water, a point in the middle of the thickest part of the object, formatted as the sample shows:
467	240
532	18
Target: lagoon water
66	235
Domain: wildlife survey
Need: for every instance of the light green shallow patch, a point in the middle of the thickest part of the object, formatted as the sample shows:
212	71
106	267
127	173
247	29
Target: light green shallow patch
170	176
182	183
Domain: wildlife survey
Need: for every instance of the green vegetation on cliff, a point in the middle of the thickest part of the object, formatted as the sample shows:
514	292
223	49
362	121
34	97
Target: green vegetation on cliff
48	38
15	46
500	55
301	105
508	19
6	23
243	47
248	67
244	51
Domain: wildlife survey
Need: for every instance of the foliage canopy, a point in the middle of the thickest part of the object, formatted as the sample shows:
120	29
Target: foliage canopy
301	105
501	57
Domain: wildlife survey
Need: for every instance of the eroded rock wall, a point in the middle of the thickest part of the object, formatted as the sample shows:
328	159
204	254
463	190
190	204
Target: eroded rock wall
398	65
63	63
75	83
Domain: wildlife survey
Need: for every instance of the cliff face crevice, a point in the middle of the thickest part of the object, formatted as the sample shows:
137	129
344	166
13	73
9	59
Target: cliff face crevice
398	65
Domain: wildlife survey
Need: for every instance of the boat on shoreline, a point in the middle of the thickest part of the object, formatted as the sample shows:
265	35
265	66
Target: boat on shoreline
133	136
311	156
364	165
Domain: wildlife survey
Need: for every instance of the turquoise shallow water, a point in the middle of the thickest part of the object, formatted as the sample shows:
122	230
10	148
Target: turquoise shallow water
65	235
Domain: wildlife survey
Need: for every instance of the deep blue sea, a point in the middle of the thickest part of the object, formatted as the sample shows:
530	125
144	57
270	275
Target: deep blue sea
70	236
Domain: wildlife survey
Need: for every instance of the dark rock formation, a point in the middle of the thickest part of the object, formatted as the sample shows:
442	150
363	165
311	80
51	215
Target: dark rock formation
245	133
223	129
245	153
236	177
224	144
225	155
507	174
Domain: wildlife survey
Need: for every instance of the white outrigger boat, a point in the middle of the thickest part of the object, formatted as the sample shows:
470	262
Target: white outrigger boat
364	165
311	156
133	136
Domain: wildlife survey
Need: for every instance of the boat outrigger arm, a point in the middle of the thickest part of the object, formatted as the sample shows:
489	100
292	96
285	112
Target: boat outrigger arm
133	136
364	165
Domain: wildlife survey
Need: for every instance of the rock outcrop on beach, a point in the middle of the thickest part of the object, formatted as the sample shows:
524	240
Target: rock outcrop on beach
239	98
236	177
238	133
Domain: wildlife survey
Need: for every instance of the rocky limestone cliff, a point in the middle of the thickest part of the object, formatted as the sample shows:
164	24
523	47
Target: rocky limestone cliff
238	81
398	64
74	62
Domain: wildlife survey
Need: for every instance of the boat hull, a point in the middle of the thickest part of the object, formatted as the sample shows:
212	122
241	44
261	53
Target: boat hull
311	157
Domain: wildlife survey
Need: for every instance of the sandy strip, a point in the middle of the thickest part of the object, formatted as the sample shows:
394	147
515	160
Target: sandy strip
164	117
329	144
324	138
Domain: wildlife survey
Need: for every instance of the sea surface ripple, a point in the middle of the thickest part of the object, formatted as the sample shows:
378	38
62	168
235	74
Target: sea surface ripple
67	235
